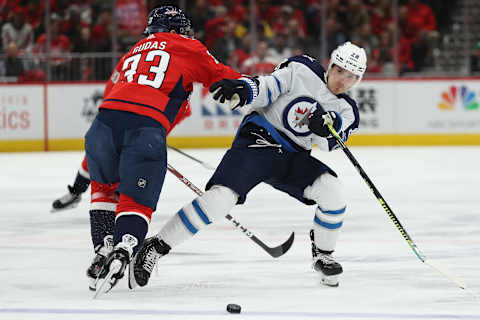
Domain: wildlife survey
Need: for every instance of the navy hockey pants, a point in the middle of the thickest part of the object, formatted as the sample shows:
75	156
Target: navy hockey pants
131	149
244	167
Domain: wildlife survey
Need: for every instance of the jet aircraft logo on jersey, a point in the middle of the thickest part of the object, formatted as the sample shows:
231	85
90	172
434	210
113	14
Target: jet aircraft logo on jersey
301	116
296	113
467	98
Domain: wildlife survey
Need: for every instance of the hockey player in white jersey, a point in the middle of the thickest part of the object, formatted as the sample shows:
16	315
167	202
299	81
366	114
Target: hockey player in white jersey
290	110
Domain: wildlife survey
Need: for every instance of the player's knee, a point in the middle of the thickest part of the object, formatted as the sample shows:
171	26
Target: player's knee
327	192
218	201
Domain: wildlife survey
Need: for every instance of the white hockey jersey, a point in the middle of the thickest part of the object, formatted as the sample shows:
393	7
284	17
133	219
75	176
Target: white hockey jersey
296	88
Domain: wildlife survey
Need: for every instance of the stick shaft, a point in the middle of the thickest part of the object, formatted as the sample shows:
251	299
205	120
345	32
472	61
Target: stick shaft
450	275
274	251
377	194
204	164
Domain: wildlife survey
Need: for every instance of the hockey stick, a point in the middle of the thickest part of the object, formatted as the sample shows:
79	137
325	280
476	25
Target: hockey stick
204	164
450	275
274	252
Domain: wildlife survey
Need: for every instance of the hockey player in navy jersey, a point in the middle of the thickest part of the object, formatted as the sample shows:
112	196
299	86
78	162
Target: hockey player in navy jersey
290	111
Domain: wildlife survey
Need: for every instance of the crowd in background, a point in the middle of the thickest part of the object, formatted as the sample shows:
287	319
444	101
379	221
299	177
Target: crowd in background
283	28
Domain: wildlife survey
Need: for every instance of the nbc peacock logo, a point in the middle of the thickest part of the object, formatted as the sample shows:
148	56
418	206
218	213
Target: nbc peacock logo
467	98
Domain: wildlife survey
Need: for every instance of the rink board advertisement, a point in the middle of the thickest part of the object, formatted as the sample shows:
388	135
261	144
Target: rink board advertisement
22	121
392	112
71	109
439	107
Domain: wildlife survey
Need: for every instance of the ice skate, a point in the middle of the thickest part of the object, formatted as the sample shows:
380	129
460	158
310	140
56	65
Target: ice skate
68	201
144	261
112	271
101	253
325	265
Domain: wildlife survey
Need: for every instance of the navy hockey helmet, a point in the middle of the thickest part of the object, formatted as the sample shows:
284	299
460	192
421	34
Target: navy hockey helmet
165	19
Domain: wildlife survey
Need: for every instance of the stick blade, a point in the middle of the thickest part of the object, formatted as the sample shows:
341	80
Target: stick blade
447	273
283	248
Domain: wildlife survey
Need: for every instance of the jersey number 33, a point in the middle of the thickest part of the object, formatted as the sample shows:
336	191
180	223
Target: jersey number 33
152	77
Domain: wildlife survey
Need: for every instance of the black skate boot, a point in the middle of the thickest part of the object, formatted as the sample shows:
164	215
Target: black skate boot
144	261
101	253
323	263
70	200
113	269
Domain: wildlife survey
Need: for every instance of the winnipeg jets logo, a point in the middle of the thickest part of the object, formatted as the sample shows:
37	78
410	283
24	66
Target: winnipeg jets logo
296	114
301	116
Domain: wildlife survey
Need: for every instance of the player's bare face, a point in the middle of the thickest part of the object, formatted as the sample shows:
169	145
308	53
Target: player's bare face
340	80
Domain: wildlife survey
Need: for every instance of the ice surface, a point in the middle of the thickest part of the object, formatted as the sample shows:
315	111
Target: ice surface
432	190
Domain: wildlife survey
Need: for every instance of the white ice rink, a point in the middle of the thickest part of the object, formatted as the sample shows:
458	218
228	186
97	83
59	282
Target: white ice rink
433	191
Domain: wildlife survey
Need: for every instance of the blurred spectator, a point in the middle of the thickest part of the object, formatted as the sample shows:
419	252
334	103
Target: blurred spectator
337	10
131	16
241	53
419	27
226	44
7	7
84	43
383	56
288	22
214	27
280	49
381	18
101	32
13	64
59	46
34	14
18	31
364	37
267	11
72	26
420	16
335	34
356	16
475	60
199	14
82	66
259	63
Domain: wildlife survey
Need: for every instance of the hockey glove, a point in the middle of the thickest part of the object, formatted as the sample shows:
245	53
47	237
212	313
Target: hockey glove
236	93
319	122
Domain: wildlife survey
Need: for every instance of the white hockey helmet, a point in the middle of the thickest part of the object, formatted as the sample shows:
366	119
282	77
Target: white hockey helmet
349	57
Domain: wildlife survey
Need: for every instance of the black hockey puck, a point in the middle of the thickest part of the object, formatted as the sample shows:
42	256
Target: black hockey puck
233	308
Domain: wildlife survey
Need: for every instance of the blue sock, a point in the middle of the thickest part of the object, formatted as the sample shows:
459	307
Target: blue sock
102	223
133	225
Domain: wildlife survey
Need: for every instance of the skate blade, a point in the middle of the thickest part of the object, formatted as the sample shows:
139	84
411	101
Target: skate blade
70	206
107	283
92	283
329	281
132	283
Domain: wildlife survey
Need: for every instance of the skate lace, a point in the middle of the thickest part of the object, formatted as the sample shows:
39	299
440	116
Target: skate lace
325	258
151	258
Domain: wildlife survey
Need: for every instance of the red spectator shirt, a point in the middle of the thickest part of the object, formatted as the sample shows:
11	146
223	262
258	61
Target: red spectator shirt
156	76
421	17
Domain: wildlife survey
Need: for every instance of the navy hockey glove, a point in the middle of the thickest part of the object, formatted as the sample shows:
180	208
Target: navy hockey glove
236	93
319	122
